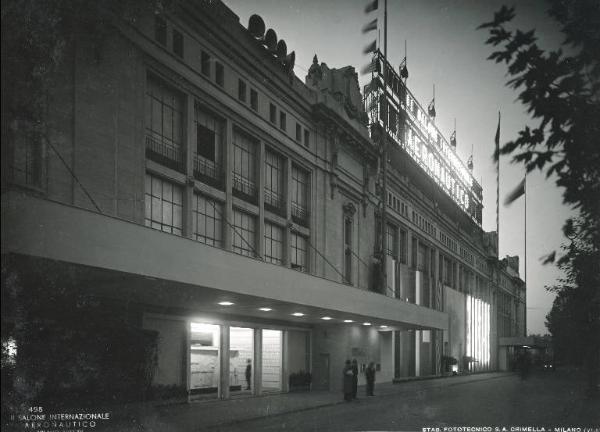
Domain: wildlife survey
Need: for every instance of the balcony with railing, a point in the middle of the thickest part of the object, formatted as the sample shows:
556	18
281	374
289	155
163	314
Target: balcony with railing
244	188
274	202
300	214
207	171
165	153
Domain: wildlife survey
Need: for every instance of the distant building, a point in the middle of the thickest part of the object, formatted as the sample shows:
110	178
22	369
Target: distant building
240	211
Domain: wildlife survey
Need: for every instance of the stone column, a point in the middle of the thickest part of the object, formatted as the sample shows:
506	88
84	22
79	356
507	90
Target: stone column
224	363
287	190
285	358
260	161
189	138
228	182
257	366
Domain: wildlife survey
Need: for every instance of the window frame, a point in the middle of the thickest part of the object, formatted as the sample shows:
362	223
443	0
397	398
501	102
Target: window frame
177	43
160	30
297	251
211	215
219	74
247	245
242	90
149	204
273	244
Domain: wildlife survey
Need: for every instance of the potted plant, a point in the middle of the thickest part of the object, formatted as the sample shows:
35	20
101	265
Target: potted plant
448	362
300	381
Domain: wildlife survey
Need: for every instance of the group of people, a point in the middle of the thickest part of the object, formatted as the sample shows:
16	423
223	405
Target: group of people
350	374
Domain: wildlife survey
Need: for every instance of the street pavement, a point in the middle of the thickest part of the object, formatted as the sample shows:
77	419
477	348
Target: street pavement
544	400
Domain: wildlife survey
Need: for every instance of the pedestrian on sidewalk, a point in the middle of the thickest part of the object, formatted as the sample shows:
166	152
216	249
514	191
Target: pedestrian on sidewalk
370	375
347	377
354	378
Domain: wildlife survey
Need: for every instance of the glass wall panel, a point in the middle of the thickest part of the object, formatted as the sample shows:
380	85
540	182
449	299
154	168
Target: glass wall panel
271	360
204	360
241	360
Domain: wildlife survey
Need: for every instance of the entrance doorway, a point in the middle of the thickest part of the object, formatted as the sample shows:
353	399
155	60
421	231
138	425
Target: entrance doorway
204	361
271	360
322	372
241	359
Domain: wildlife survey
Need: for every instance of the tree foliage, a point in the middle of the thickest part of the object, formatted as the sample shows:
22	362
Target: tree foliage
561	90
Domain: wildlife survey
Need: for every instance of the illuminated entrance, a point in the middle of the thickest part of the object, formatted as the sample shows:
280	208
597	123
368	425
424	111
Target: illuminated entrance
271	360
241	360
204	360
478	333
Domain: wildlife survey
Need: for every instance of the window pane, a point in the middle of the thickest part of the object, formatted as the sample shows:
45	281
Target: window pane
244	234
273	243
208	217
161	211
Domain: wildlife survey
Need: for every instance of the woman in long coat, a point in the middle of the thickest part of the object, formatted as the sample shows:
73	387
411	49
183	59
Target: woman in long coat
354	378
347	377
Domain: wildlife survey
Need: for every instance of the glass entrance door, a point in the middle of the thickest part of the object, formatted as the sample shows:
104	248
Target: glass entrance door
204	361
241	360
271	360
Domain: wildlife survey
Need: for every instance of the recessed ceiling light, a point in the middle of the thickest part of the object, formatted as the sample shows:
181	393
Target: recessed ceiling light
225	303
265	309
326	318
298	314
366	323
383	326
348	321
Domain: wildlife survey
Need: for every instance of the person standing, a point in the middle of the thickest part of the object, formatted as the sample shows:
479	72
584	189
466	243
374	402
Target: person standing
248	373
370	375
347	380
354	378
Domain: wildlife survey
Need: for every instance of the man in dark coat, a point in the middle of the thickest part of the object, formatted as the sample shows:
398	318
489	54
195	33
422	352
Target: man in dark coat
354	378
347	377
370	375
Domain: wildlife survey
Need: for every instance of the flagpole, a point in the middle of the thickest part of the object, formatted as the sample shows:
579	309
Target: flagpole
498	188
384	157
525	266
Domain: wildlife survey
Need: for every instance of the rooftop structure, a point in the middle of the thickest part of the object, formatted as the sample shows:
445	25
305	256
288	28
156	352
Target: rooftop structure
413	129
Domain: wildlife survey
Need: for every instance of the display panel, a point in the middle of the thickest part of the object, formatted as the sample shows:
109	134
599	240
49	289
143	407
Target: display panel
204	359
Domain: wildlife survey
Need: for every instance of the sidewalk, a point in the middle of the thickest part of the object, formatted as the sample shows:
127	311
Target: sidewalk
199	415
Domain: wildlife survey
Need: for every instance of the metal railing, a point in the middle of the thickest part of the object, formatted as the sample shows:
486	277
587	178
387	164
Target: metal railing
165	154
208	171
300	214
244	188
274	202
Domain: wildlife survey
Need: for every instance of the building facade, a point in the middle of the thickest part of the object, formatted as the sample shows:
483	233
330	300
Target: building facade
193	183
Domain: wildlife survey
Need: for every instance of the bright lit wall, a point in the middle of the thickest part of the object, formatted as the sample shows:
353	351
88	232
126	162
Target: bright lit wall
478	333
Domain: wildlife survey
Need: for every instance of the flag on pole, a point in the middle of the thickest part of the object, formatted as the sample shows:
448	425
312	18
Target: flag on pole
516	193
431	108
403	69
371	6
370	48
372	86
548	259
497	139
370	26
453	139
370	68
470	163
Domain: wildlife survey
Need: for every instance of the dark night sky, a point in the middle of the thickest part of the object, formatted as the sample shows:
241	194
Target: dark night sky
445	48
